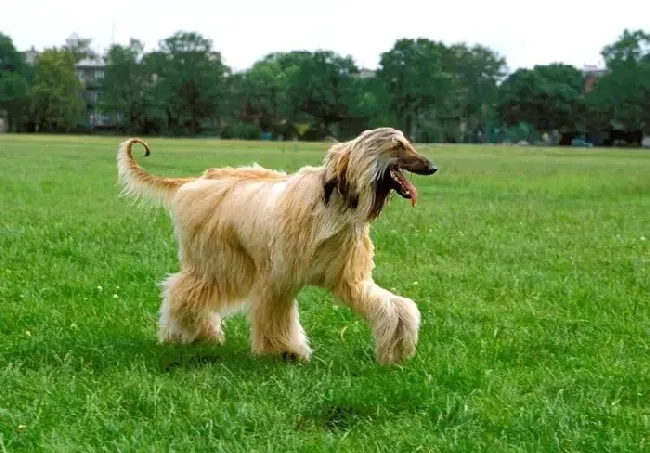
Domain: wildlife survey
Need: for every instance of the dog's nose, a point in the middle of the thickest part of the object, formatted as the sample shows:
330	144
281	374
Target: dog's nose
432	168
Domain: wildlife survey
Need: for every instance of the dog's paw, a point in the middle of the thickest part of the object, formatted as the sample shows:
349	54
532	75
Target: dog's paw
292	353
210	331
397	331
216	337
300	352
171	334
296	357
178	335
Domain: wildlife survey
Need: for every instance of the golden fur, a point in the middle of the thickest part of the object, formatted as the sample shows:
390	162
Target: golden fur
251	238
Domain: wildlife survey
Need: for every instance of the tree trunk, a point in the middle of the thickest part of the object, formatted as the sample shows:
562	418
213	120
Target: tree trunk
414	127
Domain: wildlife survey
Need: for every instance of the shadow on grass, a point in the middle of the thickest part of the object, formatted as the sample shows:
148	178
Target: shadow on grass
349	389
125	350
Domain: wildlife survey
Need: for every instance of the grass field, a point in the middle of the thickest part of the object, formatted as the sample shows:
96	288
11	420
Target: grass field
530	267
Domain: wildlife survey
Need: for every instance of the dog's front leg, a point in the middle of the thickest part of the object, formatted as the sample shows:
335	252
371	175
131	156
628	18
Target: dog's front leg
395	320
275	327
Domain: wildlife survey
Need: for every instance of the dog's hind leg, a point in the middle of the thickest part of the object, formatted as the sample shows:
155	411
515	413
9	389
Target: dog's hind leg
276	329
190	310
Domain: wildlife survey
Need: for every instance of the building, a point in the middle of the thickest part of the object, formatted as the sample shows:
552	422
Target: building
365	73
592	74
90	71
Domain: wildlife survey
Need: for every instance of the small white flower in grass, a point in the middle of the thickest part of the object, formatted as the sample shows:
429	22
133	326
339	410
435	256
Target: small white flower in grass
415	283
73	325
643	238
100	287
22	427
28	334
118	287
115	296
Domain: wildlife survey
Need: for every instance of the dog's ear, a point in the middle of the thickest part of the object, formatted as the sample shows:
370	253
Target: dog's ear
399	142
328	187
336	170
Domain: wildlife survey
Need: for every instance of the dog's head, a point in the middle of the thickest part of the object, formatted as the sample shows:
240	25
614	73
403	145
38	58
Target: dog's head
366	169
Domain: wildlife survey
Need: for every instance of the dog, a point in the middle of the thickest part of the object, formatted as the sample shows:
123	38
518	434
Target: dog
250	238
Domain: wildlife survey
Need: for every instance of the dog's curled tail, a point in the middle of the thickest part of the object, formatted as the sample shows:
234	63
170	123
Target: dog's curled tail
137	182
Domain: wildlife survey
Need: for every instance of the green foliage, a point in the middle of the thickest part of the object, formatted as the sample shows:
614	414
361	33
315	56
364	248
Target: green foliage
530	268
262	93
630	49
56	93
373	103
241	130
414	74
321	85
549	97
190	80
441	89
621	99
126	81
432	90
14	88
14	97
478	70
10	58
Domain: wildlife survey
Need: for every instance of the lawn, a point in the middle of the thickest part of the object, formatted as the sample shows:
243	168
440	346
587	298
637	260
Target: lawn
531	267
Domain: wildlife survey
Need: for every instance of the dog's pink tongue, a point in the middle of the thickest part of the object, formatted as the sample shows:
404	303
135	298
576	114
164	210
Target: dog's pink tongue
411	188
414	194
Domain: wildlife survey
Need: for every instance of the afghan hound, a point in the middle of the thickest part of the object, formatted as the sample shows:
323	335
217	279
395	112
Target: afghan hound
250	238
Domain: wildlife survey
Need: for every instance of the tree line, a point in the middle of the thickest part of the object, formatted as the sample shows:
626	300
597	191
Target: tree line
433	91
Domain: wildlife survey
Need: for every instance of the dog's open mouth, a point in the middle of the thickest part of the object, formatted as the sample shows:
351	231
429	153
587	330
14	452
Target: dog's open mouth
393	177
402	186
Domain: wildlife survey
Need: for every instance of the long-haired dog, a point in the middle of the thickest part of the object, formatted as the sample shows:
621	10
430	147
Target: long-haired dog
252	238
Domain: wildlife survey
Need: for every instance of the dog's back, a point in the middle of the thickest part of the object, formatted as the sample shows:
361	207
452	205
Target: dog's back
253	173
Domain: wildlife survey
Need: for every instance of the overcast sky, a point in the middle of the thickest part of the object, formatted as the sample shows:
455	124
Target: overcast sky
568	31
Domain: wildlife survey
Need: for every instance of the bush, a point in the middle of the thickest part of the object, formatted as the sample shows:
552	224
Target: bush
241	130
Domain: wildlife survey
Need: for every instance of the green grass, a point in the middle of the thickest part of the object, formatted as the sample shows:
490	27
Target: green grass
530	267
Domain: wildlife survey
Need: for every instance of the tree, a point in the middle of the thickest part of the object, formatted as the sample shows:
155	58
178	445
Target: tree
621	99
190	80
414	74
56	94
630	49
14	86
548	97
10	59
322	86
126	81
264	90
477	70
373	104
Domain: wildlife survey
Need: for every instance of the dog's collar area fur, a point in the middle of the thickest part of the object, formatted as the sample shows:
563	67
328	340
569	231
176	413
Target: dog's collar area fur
351	200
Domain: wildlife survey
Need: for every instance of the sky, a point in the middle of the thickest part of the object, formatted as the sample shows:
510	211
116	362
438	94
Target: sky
567	31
